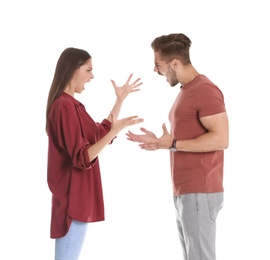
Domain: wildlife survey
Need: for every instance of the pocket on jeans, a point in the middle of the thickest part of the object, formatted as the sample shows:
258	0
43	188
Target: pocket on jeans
215	203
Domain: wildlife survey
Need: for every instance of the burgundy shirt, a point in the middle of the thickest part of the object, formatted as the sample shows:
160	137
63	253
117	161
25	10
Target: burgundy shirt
74	181
195	172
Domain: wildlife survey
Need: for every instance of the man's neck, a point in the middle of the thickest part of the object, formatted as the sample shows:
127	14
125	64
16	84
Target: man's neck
189	74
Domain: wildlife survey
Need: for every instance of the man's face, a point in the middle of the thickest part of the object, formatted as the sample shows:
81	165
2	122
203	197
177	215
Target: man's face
165	69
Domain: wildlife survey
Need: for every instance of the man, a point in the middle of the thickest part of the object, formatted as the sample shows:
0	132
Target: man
199	134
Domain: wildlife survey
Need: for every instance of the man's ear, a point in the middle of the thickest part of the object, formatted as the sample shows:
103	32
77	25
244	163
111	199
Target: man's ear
174	64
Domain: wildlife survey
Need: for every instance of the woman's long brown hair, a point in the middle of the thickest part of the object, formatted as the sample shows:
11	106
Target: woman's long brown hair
69	61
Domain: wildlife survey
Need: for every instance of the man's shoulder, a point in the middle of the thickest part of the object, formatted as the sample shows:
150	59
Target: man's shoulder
204	80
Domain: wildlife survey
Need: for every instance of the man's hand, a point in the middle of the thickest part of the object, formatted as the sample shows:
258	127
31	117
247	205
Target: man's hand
149	141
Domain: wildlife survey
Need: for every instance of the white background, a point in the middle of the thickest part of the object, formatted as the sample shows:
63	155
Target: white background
230	45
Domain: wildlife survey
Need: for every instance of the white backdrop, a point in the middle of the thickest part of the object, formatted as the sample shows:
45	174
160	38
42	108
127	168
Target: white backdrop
230	46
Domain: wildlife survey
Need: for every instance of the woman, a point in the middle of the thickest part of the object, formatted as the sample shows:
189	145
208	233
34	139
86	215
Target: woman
75	141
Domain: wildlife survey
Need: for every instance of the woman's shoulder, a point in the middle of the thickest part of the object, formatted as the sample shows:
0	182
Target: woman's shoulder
65	100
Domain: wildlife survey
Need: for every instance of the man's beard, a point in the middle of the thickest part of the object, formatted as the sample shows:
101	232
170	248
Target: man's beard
172	77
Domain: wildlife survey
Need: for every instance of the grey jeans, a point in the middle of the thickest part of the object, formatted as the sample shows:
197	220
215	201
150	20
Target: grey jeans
196	216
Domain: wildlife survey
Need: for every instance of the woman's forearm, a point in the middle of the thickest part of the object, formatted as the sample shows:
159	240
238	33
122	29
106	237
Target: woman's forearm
95	149
116	109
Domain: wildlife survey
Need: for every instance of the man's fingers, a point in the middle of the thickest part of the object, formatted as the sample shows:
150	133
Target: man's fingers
144	130
164	128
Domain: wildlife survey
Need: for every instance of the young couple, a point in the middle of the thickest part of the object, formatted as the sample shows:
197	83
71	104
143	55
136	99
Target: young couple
196	141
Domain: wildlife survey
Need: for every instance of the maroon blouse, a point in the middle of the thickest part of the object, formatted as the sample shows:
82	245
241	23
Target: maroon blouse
74	181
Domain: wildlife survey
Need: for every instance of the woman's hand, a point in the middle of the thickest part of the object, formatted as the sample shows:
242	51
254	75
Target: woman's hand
118	125
122	92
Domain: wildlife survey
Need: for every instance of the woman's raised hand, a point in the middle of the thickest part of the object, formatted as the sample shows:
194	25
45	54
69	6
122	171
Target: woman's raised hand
127	88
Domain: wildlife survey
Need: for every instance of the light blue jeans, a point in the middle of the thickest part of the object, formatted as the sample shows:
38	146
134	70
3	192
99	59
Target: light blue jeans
69	246
196	216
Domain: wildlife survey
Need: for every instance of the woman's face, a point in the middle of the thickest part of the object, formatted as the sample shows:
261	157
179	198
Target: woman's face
81	76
